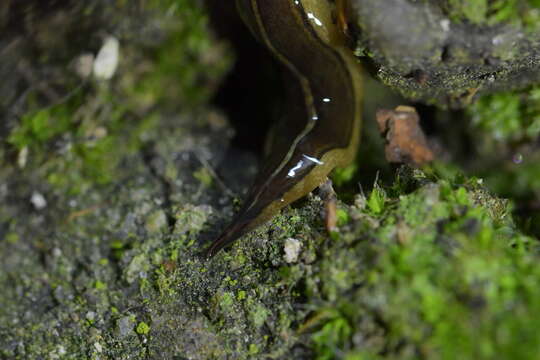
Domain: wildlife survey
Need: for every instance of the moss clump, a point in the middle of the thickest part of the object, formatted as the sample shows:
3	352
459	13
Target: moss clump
143	328
505	129
519	12
186	58
38	128
80	141
87	134
332	335
376	200
508	117
440	274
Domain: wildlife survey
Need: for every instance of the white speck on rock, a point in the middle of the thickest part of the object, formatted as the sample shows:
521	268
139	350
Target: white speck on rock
106	60
38	200
445	24
91	315
292	250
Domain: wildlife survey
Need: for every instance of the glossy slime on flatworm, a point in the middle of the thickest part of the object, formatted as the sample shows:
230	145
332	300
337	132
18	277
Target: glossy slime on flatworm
321	128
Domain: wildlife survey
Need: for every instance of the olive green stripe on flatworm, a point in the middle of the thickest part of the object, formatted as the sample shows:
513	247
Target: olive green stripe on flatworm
286	19
308	98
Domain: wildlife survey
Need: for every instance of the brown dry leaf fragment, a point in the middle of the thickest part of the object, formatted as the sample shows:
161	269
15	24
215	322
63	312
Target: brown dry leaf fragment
405	140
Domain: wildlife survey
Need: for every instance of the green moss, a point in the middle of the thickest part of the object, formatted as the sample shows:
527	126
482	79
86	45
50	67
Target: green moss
502	124
258	315
513	116
429	267
226	301
517	179
241	295
342	217
93	140
345	175
156	221
253	349
99	285
39	127
80	141
186	58
488	12
143	328
12	238
473	10
447	275
204	176
331	336
376	200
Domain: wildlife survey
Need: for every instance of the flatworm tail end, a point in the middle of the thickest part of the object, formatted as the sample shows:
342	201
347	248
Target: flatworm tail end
228	236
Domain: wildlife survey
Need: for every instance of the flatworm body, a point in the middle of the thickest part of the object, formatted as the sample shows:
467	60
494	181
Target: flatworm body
321	128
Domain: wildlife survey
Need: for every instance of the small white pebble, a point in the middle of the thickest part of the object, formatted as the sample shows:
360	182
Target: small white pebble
91	315
445	24
98	347
107	59
38	200
292	250
497	40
